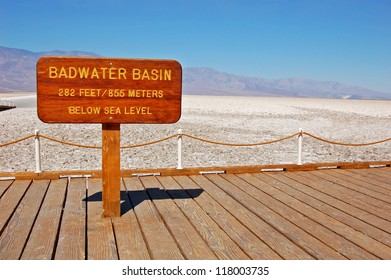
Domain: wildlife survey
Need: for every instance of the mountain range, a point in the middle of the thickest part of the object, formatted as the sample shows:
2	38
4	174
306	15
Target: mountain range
17	67
17	74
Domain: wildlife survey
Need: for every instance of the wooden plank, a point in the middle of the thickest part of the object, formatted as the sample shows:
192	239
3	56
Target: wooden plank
384	174
323	190
47	224
101	243
367	243
250	243
352	197
192	245
367	188
268	234
329	206
15	235
373	176
349	215
10	200
72	238
52	175
333	244
130	240
4	185
160	242
385	171
111	170
379	208
280	217
217	240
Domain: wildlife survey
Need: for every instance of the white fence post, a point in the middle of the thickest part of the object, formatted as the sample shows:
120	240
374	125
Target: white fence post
37	152
179	166
300	148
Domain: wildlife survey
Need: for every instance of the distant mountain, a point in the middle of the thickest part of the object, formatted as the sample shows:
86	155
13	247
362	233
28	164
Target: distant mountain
17	67
17	73
209	81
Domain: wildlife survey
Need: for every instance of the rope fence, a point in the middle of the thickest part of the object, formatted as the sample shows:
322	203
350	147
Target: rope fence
239	144
346	144
179	137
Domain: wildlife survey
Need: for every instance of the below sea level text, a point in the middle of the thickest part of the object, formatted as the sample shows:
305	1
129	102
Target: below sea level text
108	110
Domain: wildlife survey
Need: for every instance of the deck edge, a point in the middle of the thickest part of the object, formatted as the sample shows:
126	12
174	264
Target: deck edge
198	170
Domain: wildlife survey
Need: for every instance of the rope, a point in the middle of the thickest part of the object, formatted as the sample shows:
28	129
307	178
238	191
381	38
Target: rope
199	139
99	147
17	141
149	143
346	144
241	145
69	143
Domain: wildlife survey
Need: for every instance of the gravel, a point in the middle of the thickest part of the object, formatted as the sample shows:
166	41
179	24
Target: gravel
225	119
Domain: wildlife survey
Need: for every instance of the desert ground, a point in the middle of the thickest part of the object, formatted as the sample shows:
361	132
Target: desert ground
218	118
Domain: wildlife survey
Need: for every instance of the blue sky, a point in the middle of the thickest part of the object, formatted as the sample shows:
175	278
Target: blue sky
328	40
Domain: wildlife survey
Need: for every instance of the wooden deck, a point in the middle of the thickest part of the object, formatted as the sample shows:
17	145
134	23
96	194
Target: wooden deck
319	214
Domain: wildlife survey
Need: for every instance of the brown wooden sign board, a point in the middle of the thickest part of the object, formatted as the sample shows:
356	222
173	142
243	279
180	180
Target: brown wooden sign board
108	90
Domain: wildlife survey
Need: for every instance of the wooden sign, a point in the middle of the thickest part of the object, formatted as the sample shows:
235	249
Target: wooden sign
108	90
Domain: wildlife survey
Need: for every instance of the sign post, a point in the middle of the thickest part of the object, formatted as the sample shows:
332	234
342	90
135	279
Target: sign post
111	166
111	92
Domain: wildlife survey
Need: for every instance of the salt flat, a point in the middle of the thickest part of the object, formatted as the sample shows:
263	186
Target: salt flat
225	119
